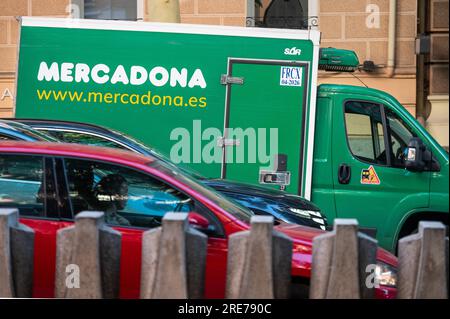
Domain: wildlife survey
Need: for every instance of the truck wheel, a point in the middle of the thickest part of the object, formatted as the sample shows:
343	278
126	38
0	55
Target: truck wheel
411	227
416	230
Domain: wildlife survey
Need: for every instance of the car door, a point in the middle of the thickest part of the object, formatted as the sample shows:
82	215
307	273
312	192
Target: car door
27	182
134	202
371	183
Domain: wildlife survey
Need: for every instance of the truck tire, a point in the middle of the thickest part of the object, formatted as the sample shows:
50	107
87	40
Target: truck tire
411	225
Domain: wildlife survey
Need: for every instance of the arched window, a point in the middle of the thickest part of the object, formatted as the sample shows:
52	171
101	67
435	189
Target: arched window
286	14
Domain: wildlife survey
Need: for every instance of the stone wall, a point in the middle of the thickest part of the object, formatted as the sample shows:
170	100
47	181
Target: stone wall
438	71
343	24
230	12
348	25
9	34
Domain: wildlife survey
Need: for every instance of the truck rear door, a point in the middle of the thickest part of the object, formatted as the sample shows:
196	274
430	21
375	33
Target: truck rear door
265	99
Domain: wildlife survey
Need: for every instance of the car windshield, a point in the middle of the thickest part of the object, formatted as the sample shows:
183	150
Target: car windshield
136	144
229	205
31	132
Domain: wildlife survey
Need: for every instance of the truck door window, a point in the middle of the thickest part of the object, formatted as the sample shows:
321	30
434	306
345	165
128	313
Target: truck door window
365	135
399	137
22	184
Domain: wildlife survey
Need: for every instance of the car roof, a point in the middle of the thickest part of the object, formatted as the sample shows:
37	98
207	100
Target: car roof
62	123
10	124
74	150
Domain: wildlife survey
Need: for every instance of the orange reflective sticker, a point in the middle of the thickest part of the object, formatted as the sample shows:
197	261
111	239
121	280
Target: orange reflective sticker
369	176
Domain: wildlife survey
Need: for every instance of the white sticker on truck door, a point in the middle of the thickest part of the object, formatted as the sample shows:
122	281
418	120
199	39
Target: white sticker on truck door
291	76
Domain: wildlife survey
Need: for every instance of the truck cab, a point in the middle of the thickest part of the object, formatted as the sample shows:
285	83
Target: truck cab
373	161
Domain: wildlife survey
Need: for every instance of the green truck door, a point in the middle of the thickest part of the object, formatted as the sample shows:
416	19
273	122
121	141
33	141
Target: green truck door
264	94
370	181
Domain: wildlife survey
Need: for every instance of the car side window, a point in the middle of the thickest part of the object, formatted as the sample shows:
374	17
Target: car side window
4	137
128	197
22	184
399	135
365	135
83	138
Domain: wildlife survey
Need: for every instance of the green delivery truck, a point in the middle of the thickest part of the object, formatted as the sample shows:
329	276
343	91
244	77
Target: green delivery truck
241	104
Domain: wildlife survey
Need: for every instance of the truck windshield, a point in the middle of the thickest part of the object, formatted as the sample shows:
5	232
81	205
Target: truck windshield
229	205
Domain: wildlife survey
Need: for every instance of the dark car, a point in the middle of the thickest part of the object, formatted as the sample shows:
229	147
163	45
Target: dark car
283	206
261	200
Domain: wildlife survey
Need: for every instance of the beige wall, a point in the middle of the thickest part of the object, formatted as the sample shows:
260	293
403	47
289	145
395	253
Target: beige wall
9	10
216	12
6	95
229	12
343	25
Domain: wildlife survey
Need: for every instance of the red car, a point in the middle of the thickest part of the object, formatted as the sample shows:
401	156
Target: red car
50	183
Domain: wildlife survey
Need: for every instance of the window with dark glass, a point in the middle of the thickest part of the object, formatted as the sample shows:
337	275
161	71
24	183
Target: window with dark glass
128	197
365	132
400	135
111	9
22	184
286	14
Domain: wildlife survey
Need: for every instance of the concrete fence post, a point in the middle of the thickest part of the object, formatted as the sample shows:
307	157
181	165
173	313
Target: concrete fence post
88	259
423	263
259	262
173	260
447	267
16	256
339	262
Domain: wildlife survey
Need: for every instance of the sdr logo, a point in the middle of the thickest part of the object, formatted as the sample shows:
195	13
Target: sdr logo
291	76
292	51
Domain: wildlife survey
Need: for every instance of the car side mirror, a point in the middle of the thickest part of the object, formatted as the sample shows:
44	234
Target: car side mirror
200	223
415	155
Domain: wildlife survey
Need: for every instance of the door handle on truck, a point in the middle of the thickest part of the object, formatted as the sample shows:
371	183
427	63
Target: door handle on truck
344	174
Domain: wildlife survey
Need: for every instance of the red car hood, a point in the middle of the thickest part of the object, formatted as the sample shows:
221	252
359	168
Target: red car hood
300	234
303	237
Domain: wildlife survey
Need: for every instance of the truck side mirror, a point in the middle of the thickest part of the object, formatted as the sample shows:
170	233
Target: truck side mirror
414	157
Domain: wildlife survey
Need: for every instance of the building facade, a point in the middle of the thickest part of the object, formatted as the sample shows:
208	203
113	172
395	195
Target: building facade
384	33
